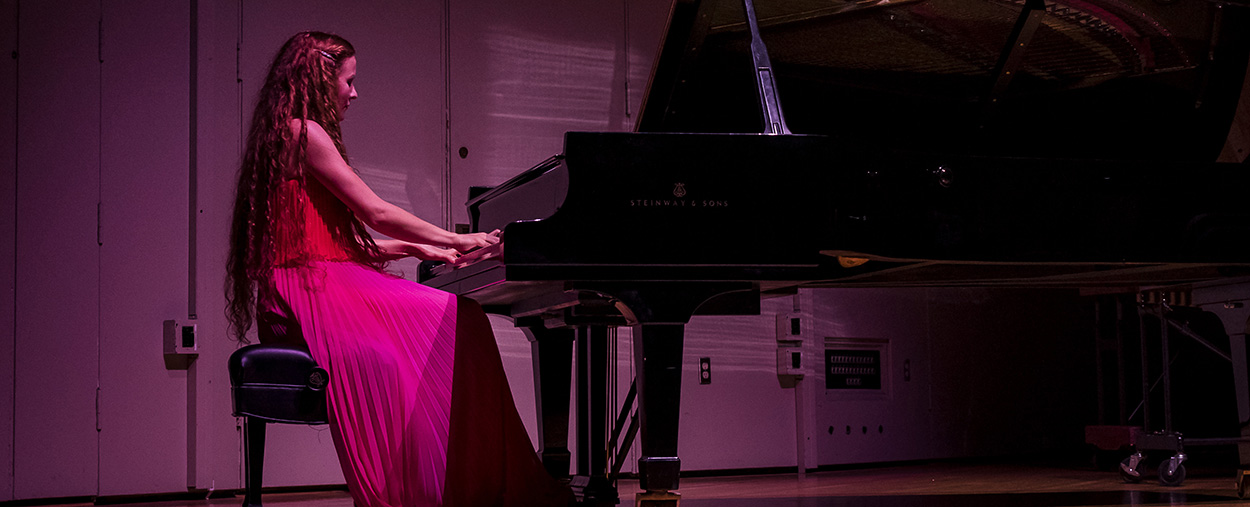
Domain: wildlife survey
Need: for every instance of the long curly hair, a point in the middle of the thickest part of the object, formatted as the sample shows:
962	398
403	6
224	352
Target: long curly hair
301	84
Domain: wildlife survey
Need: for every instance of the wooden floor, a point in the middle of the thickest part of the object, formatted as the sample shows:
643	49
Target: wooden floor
928	485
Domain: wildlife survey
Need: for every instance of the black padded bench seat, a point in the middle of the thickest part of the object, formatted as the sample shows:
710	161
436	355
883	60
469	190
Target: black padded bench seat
273	384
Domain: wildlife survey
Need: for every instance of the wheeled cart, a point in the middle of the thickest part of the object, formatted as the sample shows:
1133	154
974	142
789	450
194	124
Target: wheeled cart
1171	470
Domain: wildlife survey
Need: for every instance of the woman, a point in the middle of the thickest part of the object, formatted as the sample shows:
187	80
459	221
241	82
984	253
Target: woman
420	410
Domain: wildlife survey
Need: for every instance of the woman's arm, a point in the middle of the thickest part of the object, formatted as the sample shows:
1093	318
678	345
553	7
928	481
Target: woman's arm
331	170
392	249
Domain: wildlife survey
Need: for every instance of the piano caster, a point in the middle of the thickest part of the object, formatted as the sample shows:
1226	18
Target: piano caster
658	499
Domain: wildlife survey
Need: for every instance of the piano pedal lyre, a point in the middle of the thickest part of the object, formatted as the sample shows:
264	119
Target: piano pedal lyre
658	499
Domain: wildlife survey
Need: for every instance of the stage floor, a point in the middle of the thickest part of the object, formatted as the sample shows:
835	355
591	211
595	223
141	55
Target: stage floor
928	485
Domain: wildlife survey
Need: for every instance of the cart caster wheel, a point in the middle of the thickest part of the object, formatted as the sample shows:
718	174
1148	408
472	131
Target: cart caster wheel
1128	470
1169	476
1243	483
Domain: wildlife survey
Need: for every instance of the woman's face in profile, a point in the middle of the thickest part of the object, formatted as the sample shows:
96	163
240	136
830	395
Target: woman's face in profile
346	89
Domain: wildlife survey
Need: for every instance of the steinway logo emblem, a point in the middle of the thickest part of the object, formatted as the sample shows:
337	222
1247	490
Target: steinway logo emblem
679	192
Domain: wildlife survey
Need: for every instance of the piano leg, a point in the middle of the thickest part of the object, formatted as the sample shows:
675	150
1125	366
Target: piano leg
657	352
552	353
592	391
1241	379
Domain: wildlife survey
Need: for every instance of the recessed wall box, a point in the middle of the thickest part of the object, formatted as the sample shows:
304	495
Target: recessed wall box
179	344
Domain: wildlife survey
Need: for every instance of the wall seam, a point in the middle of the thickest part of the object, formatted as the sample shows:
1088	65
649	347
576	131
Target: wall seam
99	242
238	80
193	161
625	42
448	220
17	147
193	126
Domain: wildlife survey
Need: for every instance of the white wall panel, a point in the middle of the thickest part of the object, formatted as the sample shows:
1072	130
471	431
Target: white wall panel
744	404
8	247
57	318
897	417
219	135
295	455
144	187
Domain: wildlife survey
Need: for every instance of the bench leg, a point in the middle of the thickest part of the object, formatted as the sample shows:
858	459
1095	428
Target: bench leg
253	460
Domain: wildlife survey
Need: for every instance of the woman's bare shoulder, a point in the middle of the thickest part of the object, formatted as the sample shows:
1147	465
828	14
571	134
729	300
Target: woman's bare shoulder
315	130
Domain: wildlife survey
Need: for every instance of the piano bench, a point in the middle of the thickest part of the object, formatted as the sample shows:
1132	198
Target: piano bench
273	384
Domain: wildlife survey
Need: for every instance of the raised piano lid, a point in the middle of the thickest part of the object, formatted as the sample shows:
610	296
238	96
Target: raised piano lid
1118	79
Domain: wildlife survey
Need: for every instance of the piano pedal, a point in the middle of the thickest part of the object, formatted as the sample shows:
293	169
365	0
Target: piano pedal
1243	482
594	491
658	499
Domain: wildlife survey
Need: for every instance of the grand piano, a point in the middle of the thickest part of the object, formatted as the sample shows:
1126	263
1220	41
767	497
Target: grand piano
788	144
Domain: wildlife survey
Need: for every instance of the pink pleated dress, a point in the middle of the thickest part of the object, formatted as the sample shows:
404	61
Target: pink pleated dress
420	410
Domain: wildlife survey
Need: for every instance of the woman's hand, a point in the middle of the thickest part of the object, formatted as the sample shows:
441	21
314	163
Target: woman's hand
433	253
481	254
464	243
393	249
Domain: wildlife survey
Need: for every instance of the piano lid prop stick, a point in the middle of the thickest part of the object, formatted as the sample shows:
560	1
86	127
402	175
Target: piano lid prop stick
770	106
